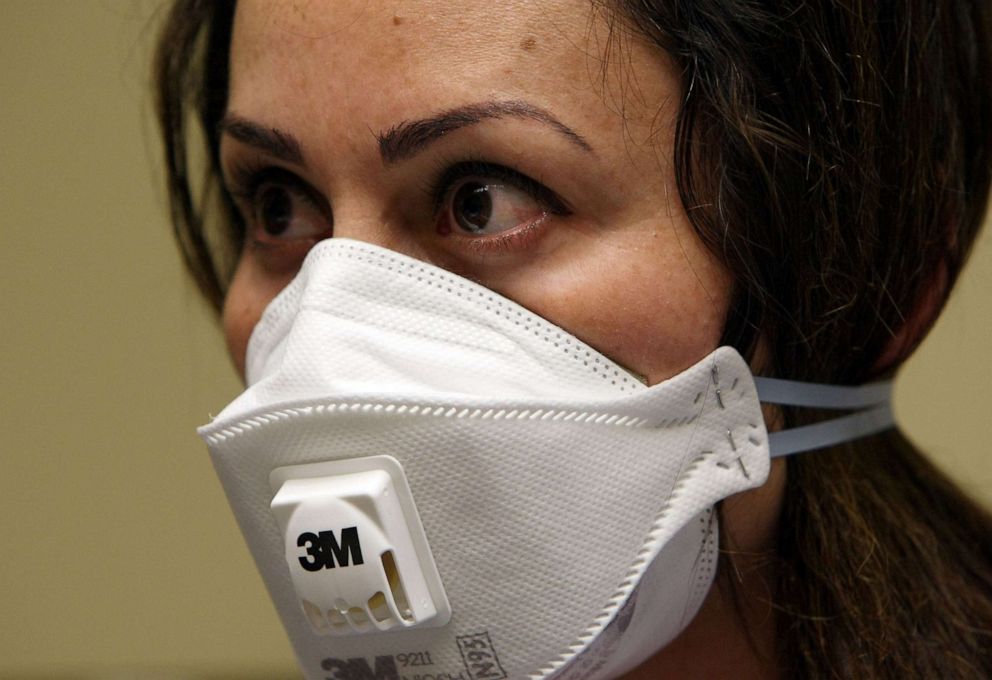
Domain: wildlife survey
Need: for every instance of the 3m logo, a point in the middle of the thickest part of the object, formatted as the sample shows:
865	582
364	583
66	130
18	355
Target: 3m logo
324	551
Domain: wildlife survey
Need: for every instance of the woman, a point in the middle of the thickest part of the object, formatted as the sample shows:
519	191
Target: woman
801	182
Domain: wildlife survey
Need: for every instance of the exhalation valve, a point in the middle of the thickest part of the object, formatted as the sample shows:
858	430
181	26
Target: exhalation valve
355	547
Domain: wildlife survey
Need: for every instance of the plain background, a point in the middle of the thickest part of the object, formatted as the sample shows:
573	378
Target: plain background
119	555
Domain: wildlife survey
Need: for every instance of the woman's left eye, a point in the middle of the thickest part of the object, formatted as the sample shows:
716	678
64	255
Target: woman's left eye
480	208
489	200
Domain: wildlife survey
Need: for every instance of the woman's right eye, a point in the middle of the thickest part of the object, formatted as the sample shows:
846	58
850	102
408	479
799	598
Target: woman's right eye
281	213
281	209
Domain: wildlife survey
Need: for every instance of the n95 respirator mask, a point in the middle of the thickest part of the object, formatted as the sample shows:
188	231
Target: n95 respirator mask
435	482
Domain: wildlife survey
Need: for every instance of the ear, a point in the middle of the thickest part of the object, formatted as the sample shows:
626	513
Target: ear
917	323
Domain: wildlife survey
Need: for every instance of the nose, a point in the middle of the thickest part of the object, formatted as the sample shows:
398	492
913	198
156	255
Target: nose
369	225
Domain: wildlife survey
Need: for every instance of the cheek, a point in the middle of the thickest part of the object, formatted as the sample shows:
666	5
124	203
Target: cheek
654	310
656	330
673	317
238	320
250	292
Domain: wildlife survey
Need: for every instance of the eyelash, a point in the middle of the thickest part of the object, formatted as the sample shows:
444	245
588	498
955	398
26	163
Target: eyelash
246	177
449	172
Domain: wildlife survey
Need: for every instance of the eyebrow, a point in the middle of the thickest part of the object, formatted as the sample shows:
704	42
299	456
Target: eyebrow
410	137
273	141
405	139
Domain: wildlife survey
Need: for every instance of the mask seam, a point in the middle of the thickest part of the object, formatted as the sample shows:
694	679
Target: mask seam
595	417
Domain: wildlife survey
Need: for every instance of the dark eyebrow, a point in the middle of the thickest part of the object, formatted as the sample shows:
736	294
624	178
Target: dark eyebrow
410	137
404	139
282	145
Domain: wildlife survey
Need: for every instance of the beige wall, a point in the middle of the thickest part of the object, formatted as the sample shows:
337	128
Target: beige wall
120	557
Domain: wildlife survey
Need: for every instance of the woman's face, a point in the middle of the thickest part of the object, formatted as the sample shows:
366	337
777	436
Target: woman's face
523	145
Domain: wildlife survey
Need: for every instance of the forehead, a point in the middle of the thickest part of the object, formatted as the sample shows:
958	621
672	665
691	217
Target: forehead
377	62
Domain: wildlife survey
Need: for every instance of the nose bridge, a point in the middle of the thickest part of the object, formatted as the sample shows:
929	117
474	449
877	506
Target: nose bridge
363	220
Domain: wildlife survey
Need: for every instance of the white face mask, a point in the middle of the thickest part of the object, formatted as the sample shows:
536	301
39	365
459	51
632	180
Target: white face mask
434	481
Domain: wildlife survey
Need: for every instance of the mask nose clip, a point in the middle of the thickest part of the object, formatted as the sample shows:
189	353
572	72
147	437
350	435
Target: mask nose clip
355	547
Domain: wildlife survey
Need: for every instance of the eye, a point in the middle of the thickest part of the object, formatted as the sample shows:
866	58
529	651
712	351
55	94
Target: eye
282	213
479	207
280	208
487	200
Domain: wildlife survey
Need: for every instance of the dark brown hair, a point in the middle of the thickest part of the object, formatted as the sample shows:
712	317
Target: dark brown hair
836	156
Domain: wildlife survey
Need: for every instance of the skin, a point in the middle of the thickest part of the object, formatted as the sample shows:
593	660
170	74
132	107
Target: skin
621	269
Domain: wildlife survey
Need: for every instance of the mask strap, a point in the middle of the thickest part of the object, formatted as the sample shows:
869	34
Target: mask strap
872	403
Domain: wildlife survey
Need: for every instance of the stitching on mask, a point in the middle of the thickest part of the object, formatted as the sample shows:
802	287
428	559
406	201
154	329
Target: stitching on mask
456	287
584	417
706	562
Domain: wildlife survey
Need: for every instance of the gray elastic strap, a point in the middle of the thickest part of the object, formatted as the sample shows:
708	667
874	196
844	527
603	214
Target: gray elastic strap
815	395
873	399
830	432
